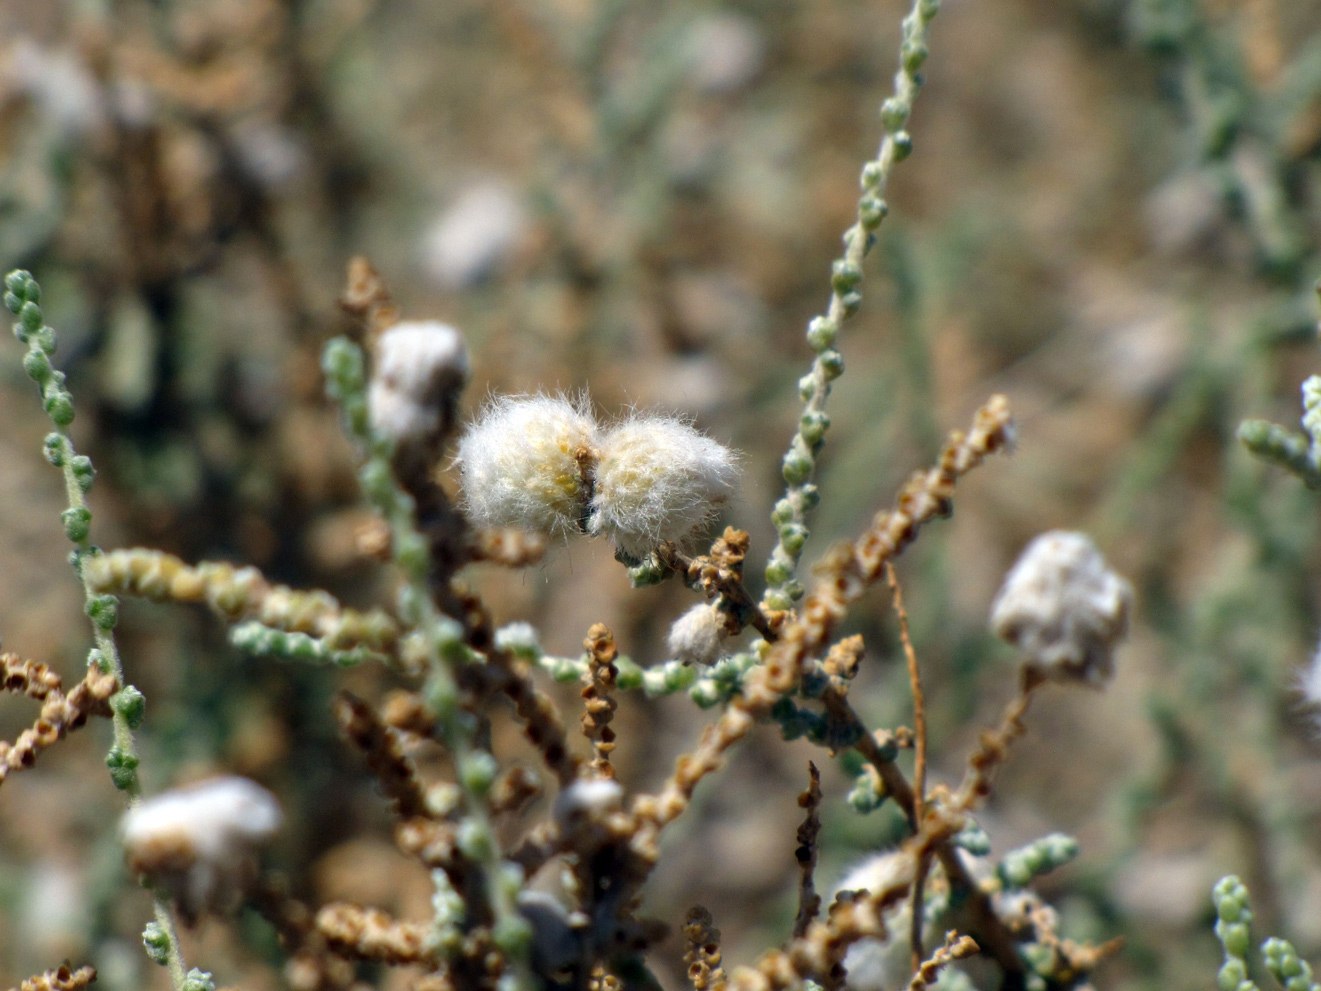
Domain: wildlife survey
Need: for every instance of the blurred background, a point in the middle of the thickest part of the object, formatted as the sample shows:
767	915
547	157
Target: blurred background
1111	214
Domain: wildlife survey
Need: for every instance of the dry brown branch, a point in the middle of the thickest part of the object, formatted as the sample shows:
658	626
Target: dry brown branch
994	745
956	948
513	789
818	955
598	705
241	593
809	902
60	713
702	954
310	965
370	934
719	573
920	753
406	711
507	674
367	298
60	979
847	570
385	756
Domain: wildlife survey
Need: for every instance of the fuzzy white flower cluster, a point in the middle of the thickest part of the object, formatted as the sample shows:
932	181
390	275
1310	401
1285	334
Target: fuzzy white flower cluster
542	463
420	366
698	635
200	843
1063	607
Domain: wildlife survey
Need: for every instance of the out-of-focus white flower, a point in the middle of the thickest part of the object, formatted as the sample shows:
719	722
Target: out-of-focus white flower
60	84
526	463
590	798
1063	607
873	964
726	51
474	236
697	636
658	479
420	367
200	843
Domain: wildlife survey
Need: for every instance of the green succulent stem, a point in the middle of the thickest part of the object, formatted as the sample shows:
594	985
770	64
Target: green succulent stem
23	299
345	367
799	465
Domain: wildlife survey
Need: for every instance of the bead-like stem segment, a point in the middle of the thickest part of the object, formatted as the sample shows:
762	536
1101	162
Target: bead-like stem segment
23	298
799	466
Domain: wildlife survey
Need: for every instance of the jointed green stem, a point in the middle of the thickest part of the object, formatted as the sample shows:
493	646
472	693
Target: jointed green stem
799	466
23	298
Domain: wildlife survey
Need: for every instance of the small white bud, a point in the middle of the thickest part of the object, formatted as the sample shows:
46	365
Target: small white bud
420	367
1064	608
697	636
658	479
474	236
526	463
200	843
592	798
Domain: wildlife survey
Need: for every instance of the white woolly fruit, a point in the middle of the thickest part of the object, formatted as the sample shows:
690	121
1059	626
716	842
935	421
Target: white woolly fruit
200	842
875	964
418	370
1063	607
698	635
523	462
658	479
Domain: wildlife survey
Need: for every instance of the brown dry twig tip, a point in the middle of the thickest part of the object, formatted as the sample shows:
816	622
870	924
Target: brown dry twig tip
60	979
994	745
719	574
848	570
956	948
598	704
60	713
384	752
241	593
505	673
370	934
702	953
310	965
920	753
513	789
367	298
819	953
809	902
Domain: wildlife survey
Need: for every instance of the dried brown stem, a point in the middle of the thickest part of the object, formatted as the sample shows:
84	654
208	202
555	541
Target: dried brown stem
385	756
818	955
60	979
809	902
956	948
719	573
310	965
241	593
511	676
367	298
598	705
370	934
702	953
994	745
849	569
60	713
